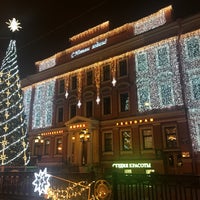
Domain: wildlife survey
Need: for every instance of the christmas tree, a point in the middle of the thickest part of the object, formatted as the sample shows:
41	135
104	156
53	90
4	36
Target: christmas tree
13	127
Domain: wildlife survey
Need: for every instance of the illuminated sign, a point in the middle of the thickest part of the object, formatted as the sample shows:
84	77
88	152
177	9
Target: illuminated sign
131	165
86	49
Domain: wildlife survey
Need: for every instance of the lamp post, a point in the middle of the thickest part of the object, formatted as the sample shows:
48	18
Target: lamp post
84	136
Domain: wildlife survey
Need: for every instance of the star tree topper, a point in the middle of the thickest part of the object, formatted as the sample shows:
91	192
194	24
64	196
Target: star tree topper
14	25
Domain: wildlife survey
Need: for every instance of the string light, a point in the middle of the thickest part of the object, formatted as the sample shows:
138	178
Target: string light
157	76
152	21
190	46
157	69
13	126
43	104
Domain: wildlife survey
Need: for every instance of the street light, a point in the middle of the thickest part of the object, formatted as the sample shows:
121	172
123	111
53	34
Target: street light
84	136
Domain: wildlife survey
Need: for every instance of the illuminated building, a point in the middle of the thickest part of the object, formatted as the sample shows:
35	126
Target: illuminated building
126	98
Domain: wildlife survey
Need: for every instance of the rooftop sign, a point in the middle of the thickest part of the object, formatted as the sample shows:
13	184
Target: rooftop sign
86	49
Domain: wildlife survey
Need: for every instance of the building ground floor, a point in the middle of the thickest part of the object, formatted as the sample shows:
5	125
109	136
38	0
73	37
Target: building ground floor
157	143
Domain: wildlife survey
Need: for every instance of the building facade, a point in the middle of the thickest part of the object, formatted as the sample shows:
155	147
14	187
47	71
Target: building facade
125	99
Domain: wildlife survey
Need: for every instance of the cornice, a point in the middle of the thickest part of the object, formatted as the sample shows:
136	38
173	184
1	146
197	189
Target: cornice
174	28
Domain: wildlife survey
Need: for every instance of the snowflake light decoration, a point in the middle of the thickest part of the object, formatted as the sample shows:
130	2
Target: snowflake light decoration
41	182
13	25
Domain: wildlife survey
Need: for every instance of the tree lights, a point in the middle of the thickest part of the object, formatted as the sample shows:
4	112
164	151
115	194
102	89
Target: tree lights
13	126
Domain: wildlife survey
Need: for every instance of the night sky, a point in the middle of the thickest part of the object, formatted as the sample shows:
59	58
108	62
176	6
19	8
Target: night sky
47	25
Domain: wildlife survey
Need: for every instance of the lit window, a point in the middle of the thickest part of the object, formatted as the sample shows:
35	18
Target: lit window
124	102
141	62
193	48
162	56
59	146
143	98
166	94
147	138
196	88
126	144
170	136
47	147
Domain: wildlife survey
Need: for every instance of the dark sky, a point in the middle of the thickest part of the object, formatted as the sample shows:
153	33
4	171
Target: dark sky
48	24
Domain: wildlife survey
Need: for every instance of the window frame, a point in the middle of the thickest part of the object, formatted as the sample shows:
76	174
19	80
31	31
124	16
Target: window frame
74	82
86	108
188	53
120	102
158	56
120	72
70	110
57	146
89	78
61	87
47	149
166	146
58	114
145	149
106	77
122	150
104	143
109	106
144	67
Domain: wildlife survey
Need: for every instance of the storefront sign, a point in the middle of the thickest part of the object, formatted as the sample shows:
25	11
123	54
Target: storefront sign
86	49
131	165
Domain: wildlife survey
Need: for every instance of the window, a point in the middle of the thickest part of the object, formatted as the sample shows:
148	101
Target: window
124	102
193	48
108	142
144	98
141	62
60	113
106	73
59	146
166	94
89	78
123	67
46	147
126	139
61	86
106	106
162	56
196	88
89	109
147	138
72	110
170	134
36	149
74	82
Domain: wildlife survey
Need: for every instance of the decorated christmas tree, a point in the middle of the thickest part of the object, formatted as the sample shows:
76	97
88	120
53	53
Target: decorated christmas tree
13	127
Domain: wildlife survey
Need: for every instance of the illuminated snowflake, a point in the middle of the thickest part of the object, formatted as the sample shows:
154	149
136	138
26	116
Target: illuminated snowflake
41	182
